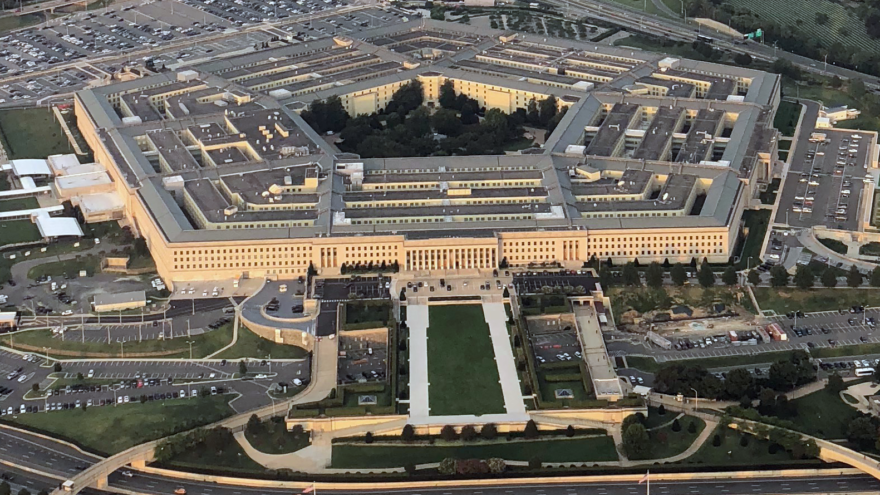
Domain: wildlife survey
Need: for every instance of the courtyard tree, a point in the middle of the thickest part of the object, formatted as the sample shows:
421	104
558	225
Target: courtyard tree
408	433
654	275
631	275
636	442
754	277
854	277
729	277
705	275
678	274
829	278
448	433
778	276
489	431
875	277
835	384
531	430
804	277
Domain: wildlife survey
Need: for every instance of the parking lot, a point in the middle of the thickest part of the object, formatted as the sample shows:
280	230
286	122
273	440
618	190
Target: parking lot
554	339
825	181
362	359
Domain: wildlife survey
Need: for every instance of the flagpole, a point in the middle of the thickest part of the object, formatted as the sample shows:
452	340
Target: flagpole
648	476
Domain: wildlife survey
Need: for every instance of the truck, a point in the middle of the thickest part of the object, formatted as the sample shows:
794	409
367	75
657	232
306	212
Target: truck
817	137
67	486
776	332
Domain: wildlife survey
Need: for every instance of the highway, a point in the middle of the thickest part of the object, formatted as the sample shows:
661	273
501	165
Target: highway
681	31
152	484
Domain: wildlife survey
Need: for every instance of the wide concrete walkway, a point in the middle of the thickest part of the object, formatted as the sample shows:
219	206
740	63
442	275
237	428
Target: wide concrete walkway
496	318
417	321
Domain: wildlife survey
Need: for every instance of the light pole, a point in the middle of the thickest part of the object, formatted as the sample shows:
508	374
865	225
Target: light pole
190	342
696	399
121	348
46	353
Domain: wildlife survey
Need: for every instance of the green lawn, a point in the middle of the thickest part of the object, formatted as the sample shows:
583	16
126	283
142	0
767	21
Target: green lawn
791	299
231	459
787	117
847	350
834	245
112	429
595	449
870	249
731	452
461	364
91	264
13	232
755	229
275	439
649	365
18	128
823	415
204	345
251	345
366	314
28	203
667	443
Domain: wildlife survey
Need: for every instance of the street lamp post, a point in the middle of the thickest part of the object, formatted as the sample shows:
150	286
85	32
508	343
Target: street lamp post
46	354
121	348
190	342
696	399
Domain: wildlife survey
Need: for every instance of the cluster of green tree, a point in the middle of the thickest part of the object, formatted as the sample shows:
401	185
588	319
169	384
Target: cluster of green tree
5	489
637	441
370	267
864	431
655	273
214	439
794	40
451	466
785	374
805	277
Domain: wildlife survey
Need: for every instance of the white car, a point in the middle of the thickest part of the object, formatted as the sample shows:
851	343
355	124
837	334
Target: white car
260	376
119	400
91	373
126	399
67	312
213	390
193	393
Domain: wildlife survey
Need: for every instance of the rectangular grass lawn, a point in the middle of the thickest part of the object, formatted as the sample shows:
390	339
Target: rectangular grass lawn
594	449
18	128
462	373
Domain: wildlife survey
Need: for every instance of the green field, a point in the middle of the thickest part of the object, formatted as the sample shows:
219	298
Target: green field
731	452
787	117
461	364
251	345
19	127
756	228
834	245
595	449
649	365
91	264
231	459
28	203
204	345
275	439
823	415
790	299
361	315
16	231
112	429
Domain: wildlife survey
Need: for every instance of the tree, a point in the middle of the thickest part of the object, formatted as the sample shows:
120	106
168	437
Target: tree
368	437
448	433
729	277
56	367
678	274
744	441
754	277
445	121
661	410
496	465
705	275
408	434
79	376
692	427
836	82
329	115
24	491
569	431
804	277
636	442
35	387
676	425
489	431
631	275
254	425
438	13
853	277
5	489
829	278
739	383
778	276
468	433
856	89
835	384
447	466
716	441
531	430
875	277
862	432
547	109
654	275
605	278
242	367
743	59
447	98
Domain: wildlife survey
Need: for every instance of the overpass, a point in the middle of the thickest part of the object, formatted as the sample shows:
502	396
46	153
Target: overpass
323	381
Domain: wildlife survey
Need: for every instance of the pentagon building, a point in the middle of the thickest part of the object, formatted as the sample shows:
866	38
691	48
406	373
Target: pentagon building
655	159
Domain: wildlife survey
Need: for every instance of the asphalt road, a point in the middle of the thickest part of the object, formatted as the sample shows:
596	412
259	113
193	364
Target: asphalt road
151	484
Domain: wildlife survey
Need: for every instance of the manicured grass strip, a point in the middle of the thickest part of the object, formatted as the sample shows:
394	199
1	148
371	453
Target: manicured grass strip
18	128
16	231
28	203
732	452
596	449
784	300
278	441
462	373
667	443
203	345
650	365
786	117
823	415
251	345
91	265
112	429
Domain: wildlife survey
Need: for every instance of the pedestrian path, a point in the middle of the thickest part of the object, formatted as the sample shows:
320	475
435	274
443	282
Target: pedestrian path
496	318
417	322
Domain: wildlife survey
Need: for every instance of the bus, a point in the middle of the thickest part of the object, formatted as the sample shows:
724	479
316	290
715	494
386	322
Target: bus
705	39
864	371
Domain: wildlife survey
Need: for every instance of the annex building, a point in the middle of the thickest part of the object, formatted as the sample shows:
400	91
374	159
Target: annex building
655	159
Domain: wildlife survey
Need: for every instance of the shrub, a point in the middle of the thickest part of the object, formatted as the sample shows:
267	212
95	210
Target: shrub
489	431
716	441
408	434
368	438
447	466
535	463
496	465
744	441
569	431
676	426
661	410
692	427
531	430
448	433
468	433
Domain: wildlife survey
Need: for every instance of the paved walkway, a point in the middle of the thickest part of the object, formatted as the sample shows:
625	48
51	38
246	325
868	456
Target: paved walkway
496	318
417	322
